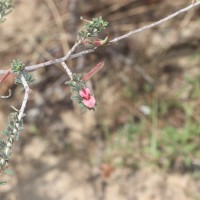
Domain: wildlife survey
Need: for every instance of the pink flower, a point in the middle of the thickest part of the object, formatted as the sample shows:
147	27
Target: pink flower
85	93
90	103
88	100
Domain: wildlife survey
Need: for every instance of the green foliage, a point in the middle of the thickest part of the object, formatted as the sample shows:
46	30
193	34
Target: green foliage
145	142
76	85
11	133
92	28
17	67
2	183
13	124
5	7
8	172
179	143
123	147
29	78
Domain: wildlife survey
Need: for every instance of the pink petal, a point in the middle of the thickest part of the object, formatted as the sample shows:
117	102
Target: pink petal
82	93
85	93
89	103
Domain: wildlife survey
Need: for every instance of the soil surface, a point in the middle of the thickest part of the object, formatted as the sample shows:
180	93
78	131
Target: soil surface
61	153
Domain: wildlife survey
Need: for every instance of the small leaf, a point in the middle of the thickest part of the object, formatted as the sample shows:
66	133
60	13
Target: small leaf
2	143
2	182
8	172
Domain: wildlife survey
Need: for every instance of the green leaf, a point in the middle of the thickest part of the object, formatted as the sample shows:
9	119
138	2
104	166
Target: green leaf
2	144
8	172
75	97
5	8
92	28
16	66
2	182
4	156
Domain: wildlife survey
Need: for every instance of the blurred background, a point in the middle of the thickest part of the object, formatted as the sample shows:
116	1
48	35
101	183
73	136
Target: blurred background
142	142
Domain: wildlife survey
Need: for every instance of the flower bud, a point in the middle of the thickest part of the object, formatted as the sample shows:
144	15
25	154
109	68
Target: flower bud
101	42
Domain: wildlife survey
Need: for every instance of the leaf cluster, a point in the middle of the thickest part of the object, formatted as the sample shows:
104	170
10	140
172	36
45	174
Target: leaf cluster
76	85
17	67
5	7
11	133
92	28
29	78
14	126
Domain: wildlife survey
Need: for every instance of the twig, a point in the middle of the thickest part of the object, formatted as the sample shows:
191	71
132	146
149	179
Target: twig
51	62
67	70
68	55
11	138
82	53
140	29
25	99
6	97
156	23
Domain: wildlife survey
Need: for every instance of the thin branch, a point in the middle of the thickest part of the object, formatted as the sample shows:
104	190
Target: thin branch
140	29
82	53
51	62
12	137
26	95
6	97
156	23
67	70
69	54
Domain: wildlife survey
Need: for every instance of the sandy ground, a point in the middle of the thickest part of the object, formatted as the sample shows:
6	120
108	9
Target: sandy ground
57	156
